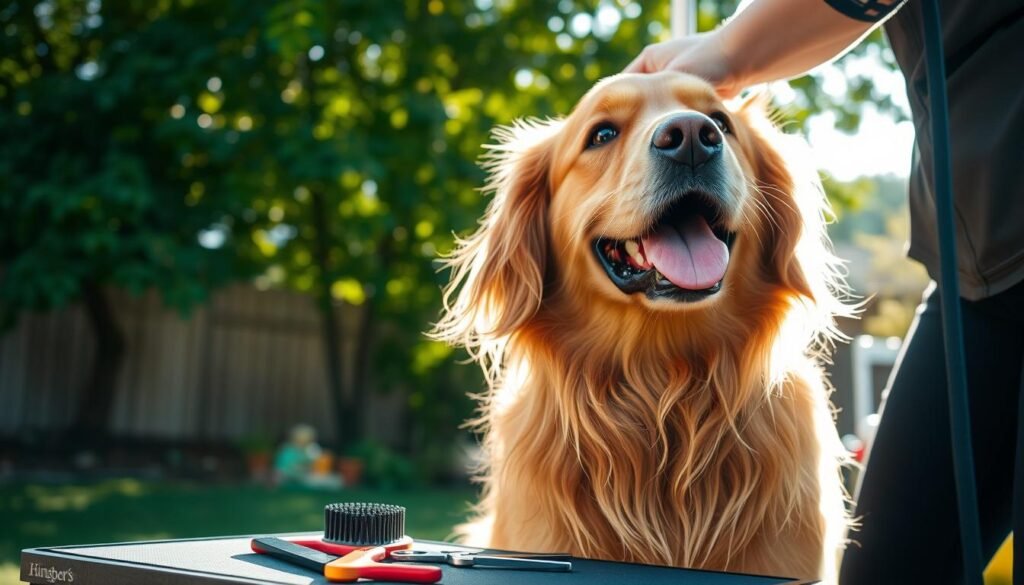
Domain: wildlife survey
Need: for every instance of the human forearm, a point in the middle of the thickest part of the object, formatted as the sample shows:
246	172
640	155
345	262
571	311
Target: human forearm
769	40
779	39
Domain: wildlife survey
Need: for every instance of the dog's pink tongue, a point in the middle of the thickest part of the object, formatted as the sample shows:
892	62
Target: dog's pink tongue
689	255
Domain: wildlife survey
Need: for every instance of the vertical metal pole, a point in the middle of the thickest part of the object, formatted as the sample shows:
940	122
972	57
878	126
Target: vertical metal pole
683	18
956	368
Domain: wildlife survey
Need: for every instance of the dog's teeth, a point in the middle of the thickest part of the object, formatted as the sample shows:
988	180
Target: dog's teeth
636	254
633	249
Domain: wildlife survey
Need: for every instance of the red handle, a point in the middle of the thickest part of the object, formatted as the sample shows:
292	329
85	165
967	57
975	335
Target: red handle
316	543
400	572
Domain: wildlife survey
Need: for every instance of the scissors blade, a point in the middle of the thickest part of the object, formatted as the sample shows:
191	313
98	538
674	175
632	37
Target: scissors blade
420	556
536	556
523	564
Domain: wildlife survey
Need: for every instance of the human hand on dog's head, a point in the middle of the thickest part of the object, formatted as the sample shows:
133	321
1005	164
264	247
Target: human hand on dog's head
767	40
702	55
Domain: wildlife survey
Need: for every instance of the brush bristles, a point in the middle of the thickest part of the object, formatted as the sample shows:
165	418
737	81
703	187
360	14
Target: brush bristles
362	524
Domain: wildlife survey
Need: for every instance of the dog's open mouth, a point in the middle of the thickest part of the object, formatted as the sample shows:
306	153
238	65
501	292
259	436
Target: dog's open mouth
683	256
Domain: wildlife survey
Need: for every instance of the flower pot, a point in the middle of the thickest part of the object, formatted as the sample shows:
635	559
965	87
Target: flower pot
258	463
351	470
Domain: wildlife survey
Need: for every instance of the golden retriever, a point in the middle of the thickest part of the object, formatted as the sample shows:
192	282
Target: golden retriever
645	294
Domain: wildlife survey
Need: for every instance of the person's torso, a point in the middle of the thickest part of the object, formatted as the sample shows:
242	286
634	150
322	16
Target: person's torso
984	50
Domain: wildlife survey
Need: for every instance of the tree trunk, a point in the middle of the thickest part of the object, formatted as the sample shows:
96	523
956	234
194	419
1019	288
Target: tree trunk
93	417
363	357
345	415
366	336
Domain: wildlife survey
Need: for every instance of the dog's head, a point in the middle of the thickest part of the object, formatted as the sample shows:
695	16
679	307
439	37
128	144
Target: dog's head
652	196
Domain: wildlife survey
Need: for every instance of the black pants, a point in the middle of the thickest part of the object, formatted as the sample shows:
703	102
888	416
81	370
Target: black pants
907	500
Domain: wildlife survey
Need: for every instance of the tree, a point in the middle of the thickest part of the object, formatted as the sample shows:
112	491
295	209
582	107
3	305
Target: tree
328	147
100	182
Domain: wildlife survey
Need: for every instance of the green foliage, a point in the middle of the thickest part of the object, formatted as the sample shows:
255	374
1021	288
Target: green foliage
857	89
847	196
256	443
383	467
871	235
869	206
93	171
180	145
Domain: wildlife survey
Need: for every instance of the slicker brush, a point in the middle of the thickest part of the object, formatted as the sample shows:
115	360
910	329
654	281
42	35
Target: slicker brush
362	524
361	534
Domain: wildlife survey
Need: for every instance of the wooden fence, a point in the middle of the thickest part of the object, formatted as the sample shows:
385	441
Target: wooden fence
248	364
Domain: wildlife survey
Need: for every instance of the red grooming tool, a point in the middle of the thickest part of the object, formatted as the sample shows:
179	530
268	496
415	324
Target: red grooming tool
361	534
359	564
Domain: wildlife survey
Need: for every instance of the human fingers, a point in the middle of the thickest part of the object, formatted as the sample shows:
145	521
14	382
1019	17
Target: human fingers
659	56
640	63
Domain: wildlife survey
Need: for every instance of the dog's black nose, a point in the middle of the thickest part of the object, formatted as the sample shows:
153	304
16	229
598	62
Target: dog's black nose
691	139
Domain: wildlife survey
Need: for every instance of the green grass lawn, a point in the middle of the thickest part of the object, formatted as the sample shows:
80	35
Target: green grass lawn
126	509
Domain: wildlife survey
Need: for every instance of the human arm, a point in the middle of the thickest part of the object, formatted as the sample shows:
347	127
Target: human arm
769	40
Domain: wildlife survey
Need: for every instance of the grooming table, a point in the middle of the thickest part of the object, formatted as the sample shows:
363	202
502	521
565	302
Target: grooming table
230	560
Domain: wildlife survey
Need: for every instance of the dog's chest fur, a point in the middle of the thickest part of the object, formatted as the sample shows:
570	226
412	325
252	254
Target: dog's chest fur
674	466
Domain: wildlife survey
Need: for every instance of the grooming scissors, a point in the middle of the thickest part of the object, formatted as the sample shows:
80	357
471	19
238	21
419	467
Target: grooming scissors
522	562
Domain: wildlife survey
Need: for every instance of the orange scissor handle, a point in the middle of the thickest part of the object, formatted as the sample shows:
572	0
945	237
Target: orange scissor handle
364	563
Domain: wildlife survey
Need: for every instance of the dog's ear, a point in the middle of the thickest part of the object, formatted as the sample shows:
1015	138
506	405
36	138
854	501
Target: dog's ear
787	227
498	273
796	248
782	183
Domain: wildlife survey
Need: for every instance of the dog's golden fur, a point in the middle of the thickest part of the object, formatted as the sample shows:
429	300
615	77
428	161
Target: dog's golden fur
618	427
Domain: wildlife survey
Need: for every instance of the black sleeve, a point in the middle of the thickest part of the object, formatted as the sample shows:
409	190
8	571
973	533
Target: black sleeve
866	10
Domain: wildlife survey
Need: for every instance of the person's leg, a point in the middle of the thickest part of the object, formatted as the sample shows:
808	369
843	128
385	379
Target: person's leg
907	500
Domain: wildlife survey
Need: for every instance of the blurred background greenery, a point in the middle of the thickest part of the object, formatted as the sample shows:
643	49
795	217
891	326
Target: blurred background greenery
307	154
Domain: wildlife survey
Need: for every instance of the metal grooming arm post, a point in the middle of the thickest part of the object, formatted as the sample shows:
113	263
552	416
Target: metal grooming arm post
956	367
683	18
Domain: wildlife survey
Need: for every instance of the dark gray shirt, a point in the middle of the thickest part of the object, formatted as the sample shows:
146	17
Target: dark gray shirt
984	50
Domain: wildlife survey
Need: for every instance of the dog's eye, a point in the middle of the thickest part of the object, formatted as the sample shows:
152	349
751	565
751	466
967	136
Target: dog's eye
602	135
721	121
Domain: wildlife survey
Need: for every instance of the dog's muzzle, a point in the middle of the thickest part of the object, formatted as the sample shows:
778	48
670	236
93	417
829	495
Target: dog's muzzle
684	253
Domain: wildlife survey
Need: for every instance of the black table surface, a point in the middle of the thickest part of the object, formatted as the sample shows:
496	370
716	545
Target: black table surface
231	560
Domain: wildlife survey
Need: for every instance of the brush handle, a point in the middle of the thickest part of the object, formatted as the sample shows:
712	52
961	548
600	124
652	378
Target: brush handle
292	553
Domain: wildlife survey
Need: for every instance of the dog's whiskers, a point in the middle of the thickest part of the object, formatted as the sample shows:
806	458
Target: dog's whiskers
775	193
744	214
763	206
